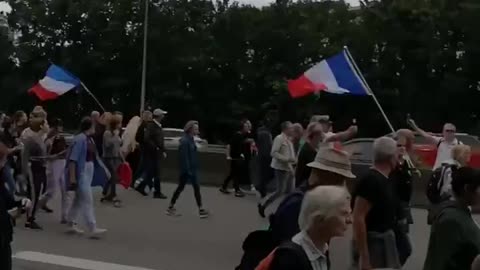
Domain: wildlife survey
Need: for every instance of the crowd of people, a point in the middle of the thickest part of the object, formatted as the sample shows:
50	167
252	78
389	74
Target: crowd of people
378	208
305	170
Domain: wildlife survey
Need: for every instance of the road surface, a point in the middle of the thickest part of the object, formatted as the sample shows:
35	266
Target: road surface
142	237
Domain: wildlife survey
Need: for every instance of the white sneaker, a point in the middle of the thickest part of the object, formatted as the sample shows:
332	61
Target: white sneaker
73	229
96	233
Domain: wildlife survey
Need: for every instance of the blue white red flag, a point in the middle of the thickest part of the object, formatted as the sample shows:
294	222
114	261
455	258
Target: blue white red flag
56	82
336	75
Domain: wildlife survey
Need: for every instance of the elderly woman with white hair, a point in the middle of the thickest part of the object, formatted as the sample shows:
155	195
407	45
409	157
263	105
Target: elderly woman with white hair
325	214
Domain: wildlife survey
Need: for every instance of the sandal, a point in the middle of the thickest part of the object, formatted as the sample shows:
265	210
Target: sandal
117	203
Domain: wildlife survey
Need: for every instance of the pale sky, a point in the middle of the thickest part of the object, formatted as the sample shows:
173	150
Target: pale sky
4	6
264	2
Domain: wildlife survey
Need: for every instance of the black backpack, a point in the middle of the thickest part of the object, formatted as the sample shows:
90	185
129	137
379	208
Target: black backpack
436	182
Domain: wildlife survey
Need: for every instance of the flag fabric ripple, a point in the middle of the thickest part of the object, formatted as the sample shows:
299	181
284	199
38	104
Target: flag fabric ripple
335	75
56	82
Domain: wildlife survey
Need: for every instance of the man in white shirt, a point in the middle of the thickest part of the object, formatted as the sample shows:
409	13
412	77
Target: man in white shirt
444	144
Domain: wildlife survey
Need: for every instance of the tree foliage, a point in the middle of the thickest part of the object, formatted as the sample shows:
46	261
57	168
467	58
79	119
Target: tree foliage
218	61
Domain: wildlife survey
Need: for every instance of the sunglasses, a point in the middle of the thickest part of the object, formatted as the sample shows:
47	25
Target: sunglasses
401	145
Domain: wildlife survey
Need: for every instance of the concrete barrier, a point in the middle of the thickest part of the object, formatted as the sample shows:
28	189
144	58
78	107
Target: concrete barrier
214	168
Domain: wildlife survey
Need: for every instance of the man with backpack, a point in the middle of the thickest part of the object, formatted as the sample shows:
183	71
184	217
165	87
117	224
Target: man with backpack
444	144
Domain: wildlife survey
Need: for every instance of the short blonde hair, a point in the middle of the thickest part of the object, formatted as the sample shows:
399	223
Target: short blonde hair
459	150
189	125
322	201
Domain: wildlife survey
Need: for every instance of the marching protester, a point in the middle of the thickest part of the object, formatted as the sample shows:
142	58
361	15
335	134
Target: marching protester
455	237
402	179
325	214
56	151
374	211
444	144
34	154
283	160
188	169
112	156
264	146
100	125
297	136
308	151
155	152
13	152
7	203
81	171
140	139
239	154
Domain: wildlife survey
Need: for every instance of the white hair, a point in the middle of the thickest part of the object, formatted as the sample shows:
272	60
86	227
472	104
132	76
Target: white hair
384	149
322	201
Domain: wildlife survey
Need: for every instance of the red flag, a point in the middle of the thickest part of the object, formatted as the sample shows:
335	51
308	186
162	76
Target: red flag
303	87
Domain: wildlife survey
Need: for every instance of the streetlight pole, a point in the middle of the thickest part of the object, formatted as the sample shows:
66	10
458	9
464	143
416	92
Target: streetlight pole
144	62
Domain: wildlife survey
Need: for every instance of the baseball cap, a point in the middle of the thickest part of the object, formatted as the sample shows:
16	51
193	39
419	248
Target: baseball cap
159	112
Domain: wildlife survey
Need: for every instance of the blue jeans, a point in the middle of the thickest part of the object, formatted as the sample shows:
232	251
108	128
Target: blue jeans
8	176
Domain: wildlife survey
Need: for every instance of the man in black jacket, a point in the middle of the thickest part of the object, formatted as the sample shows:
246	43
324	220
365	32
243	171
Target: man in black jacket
154	153
7	202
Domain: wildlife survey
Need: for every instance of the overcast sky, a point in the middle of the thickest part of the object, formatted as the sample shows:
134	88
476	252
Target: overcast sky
5	7
264	2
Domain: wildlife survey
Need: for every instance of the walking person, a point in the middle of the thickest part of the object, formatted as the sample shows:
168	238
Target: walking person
374	211
188	169
56	162
297	136
455	237
238	153
34	154
155	153
7	203
14	150
140	138
264	145
402	179
80	173
308	152
283	159
444	144
113	157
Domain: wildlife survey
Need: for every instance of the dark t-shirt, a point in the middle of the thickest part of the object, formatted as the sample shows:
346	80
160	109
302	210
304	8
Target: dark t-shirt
378	191
91	150
307	154
402	181
237	145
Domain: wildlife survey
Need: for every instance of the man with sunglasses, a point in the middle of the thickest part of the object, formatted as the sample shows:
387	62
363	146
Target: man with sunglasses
444	144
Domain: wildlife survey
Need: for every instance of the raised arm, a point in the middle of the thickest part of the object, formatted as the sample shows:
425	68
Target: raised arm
344	135
431	139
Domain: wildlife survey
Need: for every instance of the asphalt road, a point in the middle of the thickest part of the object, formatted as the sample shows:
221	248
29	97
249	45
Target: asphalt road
142	237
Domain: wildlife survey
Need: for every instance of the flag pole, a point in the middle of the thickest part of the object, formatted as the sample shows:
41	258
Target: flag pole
360	75
93	96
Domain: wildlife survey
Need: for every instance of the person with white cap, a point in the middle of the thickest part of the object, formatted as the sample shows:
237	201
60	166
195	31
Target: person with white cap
154	154
330	167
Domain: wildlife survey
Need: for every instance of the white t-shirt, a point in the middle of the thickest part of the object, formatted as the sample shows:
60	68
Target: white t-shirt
444	151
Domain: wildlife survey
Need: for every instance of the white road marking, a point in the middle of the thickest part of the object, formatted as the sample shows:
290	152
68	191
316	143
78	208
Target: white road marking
72	262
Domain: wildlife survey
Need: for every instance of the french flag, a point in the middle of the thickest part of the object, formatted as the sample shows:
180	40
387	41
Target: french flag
56	82
336	75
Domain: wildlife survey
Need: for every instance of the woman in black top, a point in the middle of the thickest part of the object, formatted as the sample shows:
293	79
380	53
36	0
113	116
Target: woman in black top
307	153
